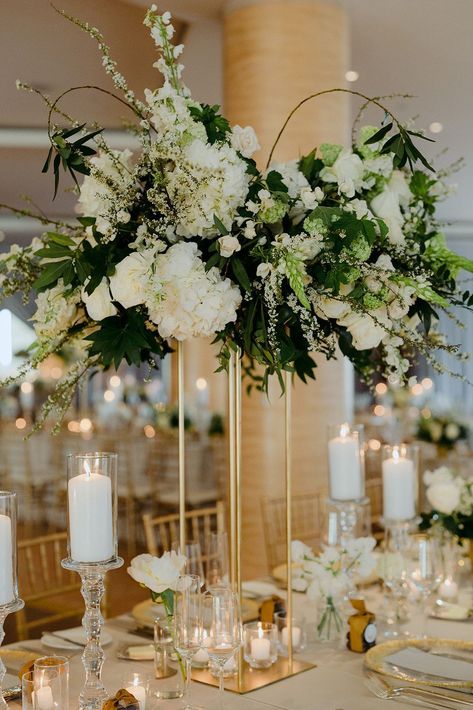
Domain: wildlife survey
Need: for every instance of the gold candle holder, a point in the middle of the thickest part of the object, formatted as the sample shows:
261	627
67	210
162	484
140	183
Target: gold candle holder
247	679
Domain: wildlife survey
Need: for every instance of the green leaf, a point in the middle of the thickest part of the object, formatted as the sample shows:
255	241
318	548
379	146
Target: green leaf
379	135
53	252
220	226
47	161
240	273
62	239
275	182
51	274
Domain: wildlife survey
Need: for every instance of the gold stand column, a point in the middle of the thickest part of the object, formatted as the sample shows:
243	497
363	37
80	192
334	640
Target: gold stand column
182	447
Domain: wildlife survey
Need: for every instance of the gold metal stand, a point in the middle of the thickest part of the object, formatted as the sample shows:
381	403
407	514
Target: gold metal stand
182	447
247	679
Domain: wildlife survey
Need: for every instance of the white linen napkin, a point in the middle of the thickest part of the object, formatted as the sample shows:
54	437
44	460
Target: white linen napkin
416	659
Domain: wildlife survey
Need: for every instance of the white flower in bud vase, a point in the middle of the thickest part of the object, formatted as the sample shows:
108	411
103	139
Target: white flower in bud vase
99	303
228	245
131	276
245	141
158	574
300	550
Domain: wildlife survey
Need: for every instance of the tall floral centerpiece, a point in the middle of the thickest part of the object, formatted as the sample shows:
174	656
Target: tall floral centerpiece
329	579
186	237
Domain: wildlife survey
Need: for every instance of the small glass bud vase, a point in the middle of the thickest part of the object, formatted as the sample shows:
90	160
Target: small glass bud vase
400	471
346	462
9	600
92	547
260	644
331	618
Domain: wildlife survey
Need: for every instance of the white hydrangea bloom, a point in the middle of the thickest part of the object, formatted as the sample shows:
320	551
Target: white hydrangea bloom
347	172
96	198
387	205
55	312
186	301
292	177
206	181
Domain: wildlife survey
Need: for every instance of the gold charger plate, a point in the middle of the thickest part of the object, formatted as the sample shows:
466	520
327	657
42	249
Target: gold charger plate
146	612
16	659
375	660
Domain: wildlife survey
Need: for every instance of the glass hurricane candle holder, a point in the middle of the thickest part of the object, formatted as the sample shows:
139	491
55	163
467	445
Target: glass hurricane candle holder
9	600
137	684
400	471
260	649
346	462
92	547
42	690
298	632
59	665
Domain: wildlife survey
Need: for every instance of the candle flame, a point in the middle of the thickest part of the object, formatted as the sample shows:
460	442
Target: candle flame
88	472
396	455
260	630
344	430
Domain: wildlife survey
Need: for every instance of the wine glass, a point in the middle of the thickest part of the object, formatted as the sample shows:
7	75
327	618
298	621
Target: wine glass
394	573
426	571
187	625
222	622
193	555
217	560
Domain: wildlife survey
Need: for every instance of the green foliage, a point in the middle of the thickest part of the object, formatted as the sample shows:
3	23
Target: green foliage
70	154
401	145
216	126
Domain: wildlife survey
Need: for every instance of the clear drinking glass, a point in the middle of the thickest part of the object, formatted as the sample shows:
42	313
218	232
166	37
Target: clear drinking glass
41	690
298	632
187	626
194	558
222	623
217	560
426	571
60	664
394	573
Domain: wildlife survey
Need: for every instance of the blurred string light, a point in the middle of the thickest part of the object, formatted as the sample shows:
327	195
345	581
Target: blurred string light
417	389
6	338
150	431
115	381
201	383
26	387
56	372
381	388
109	395
379	410
427	383
85	425
374	444
352	75
20	423
74	426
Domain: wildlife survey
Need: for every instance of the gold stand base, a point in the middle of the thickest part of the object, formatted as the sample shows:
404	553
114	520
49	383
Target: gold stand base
251	679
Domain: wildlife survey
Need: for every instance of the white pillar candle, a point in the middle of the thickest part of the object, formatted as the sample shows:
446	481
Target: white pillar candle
90	517
296	636
6	561
399	486
260	649
139	693
44	698
345	466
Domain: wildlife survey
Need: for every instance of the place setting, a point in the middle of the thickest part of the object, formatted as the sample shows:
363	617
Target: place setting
236	416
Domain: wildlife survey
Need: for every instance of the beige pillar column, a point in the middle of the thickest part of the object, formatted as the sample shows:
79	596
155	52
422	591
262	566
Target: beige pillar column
277	52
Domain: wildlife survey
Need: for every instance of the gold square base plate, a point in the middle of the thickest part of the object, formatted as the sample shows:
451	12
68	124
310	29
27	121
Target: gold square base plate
249	679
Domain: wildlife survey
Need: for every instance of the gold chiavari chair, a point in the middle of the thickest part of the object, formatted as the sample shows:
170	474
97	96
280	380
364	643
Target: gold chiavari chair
162	531
374	491
307	518
51	593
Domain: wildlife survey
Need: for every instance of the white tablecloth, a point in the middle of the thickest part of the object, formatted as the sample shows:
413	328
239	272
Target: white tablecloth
335	684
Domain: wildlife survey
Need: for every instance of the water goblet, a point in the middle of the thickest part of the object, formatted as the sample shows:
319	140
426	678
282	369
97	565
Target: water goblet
187	626
426	571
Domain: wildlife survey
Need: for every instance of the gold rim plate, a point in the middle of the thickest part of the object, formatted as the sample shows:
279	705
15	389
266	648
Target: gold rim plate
375	660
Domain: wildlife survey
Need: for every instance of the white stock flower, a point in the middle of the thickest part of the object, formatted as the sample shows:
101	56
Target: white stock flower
228	245
387	205
347	172
55	313
99	303
244	140
130	279
157	573
367	329
185	300
96	198
300	550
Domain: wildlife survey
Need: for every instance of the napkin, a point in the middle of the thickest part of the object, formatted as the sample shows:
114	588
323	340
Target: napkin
415	659
141	653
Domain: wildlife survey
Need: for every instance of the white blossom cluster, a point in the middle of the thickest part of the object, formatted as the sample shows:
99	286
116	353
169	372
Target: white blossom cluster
448	492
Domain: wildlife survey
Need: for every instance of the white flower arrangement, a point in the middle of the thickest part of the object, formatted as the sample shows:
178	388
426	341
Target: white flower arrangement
159	575
450	496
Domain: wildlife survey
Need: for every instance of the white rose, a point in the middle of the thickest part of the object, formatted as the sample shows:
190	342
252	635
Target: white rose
157	573
130	278
244	140
367	330
99	303
387	205
263	270
228	245
347	171
452	431
443	497
327	307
